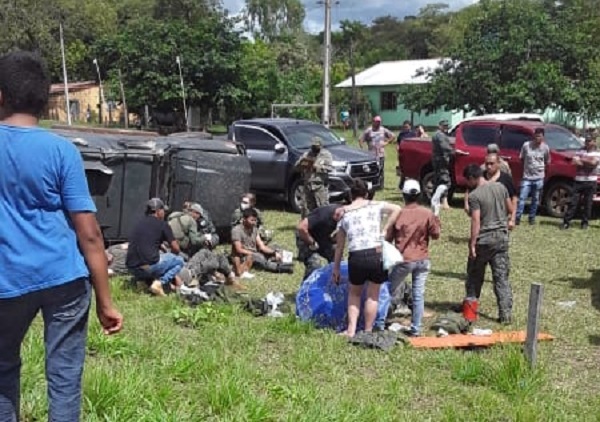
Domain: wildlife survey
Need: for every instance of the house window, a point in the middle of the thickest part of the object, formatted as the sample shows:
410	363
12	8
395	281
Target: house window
389	101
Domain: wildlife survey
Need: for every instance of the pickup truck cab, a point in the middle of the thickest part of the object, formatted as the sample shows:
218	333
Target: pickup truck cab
471	139
274	145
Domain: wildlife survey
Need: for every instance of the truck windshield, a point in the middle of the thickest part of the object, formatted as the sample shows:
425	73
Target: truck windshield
300	136
560	139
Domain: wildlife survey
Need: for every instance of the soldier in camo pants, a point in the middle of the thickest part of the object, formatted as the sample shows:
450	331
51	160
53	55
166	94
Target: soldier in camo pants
496	254
206	262
491	219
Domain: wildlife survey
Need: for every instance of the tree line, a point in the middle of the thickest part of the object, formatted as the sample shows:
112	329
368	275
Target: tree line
504	55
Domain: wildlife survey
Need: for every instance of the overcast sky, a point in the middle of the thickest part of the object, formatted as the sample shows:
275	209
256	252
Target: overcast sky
361	10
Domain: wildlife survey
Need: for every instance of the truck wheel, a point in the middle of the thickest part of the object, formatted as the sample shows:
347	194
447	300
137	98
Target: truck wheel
296	195
557	197
427	184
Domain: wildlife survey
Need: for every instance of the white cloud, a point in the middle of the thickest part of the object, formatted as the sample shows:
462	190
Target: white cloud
356	10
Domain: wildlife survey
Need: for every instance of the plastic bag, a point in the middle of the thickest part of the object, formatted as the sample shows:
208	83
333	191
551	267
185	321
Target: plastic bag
325	303
391	255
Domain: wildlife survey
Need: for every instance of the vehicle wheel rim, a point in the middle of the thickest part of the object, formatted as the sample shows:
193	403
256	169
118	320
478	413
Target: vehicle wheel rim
299	196
429	187
559	200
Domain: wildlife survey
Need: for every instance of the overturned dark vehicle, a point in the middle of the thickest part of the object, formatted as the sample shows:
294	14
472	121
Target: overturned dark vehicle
126	168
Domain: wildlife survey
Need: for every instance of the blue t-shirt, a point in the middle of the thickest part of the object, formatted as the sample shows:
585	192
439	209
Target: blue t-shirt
41	180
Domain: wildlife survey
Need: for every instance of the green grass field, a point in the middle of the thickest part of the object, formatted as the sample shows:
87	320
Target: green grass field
235	367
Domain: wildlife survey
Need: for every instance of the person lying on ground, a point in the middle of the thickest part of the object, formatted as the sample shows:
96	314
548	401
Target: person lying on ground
144	259
207	265
249	250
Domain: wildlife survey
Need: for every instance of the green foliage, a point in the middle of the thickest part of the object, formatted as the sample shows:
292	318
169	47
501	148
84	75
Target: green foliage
209	59
517	56
271	19
200	315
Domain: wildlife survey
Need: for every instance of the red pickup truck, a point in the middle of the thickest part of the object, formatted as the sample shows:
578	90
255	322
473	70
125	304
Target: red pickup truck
470	146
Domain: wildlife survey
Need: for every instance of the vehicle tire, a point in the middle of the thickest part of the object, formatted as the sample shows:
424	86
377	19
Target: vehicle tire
427	184
296	195
557	197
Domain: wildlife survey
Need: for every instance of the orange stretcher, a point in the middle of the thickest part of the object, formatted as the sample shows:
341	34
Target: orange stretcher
460	341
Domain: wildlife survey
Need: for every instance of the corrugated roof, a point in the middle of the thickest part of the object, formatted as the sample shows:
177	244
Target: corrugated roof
401	72
73	86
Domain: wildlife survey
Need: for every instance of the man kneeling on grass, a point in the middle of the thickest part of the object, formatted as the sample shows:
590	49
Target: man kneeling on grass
144	259
249	250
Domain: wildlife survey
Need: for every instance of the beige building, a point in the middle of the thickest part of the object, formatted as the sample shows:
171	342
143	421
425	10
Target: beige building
84	99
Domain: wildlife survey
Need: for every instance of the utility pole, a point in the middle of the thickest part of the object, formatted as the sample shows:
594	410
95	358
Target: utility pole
327	64
65	78
125	111
354	113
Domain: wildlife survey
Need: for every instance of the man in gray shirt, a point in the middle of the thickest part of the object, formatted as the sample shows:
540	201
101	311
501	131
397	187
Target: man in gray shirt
535	156
491	210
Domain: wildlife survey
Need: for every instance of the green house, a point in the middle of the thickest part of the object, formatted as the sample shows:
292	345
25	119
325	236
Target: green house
382	83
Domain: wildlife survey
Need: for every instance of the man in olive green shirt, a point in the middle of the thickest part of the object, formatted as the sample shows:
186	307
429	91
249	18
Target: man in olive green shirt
191	237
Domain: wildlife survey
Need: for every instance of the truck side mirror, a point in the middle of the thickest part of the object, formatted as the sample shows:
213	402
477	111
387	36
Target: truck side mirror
279	148
343	141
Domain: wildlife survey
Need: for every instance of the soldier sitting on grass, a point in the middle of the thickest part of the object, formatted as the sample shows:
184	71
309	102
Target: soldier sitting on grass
248	249
249	201
193	229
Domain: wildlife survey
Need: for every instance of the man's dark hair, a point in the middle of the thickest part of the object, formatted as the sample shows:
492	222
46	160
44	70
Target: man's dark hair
407	122
411	198
358	189
249	212
472	171
539	130
24	84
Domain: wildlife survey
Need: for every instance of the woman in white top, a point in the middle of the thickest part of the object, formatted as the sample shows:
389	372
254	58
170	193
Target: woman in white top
361	226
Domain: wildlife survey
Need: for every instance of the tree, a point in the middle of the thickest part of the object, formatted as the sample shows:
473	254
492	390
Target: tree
270	19
145	52
506	63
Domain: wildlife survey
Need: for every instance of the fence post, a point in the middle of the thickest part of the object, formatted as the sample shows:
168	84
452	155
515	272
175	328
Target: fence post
533	322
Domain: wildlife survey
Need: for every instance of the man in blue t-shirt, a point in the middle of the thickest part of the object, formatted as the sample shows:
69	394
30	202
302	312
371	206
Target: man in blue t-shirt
51	248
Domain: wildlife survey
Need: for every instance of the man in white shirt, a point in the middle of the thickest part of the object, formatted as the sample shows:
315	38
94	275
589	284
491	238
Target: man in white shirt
586	181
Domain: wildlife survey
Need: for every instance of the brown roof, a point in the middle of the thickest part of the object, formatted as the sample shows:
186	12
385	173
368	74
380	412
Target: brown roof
73	86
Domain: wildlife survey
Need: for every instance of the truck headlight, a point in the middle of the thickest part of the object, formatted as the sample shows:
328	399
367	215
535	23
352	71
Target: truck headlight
340	166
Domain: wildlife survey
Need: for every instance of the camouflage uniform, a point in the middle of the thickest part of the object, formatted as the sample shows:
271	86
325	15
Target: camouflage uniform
315	170
313	260
491	246
440	160
193	235
206	262
494	252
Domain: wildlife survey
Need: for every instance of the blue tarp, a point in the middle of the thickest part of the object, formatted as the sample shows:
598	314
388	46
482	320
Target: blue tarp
323	302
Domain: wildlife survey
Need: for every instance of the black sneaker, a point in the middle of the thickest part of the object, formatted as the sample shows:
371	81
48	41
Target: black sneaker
565	226
585	226
517	221
531	222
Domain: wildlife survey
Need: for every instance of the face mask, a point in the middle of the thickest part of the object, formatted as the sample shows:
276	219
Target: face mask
244	205
315	149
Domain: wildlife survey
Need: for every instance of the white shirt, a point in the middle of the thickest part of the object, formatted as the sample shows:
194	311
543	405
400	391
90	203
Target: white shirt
363	226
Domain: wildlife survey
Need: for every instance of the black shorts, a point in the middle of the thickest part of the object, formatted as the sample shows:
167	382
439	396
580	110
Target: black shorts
366	265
